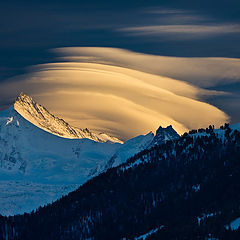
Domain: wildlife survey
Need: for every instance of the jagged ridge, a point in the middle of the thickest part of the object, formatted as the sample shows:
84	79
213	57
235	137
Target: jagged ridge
163	135
42	118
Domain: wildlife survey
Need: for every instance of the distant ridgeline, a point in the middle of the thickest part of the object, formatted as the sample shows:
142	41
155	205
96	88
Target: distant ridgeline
188	188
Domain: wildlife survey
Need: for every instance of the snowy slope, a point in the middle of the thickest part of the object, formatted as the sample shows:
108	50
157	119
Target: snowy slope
30	152
141	142
130	148
31	155
17	197
37	166
42	118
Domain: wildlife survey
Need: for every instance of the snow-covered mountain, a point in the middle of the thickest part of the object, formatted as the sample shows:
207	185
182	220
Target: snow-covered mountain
29	154
42	118
169	191
32	156
130	148
141	142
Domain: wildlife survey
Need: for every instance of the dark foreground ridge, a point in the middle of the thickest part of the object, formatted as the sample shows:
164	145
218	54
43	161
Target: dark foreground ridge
185	189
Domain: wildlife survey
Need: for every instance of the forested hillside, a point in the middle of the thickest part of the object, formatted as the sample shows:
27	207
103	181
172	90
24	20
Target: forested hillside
185	189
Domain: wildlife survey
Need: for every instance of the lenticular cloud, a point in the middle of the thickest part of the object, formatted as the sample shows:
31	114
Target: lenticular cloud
101	94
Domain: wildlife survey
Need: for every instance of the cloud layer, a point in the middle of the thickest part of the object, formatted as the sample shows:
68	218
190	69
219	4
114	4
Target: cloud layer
202	72
91	90
183	32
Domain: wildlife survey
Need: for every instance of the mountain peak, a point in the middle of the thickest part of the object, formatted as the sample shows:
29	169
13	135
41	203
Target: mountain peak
42	118
22	97
26	104
164	134
168	127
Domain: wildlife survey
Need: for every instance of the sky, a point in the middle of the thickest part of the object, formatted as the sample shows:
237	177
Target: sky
156	62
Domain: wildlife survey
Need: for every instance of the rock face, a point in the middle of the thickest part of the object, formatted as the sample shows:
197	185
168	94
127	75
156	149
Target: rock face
163	135
42	118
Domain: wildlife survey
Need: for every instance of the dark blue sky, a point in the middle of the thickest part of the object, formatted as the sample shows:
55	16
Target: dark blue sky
28	29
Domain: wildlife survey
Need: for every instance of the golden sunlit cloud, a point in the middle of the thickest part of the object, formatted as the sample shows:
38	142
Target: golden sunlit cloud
117	100
202	72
